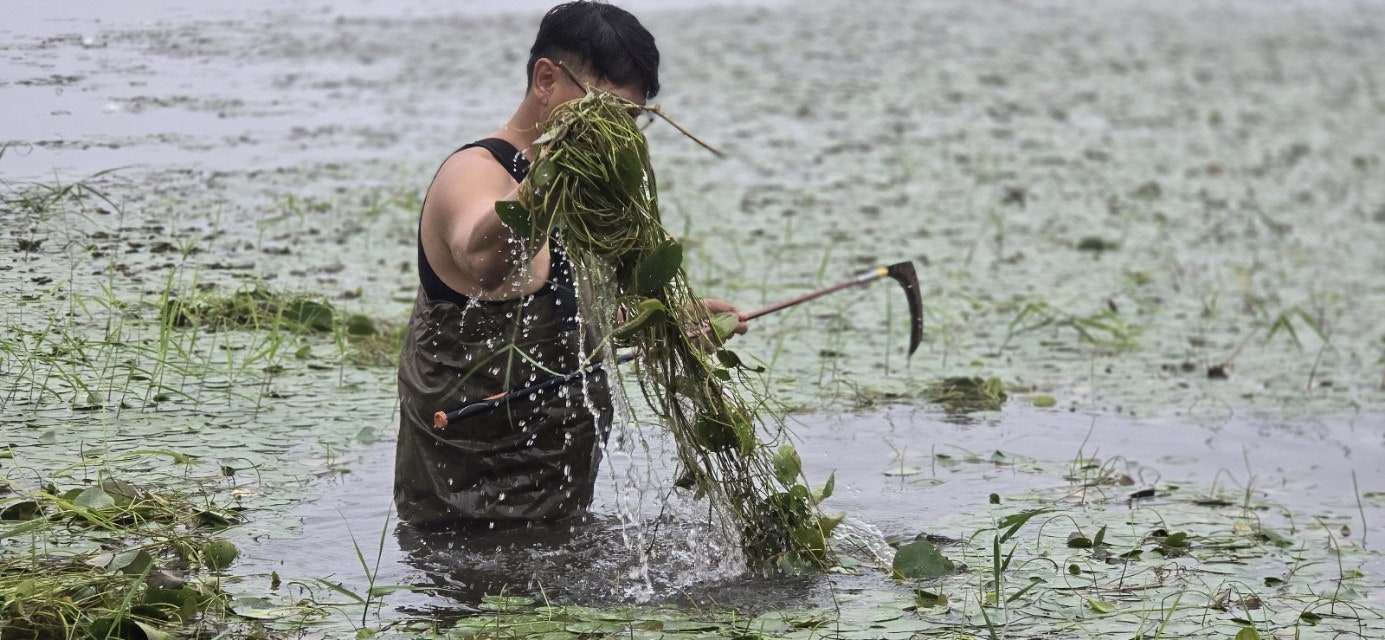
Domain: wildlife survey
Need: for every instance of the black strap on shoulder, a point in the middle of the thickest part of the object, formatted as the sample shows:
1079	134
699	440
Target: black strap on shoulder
506	154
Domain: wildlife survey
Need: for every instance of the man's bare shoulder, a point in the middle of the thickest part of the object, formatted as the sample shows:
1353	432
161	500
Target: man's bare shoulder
471	175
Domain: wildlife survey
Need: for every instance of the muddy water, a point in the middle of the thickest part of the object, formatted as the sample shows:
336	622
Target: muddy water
900	471
1106	203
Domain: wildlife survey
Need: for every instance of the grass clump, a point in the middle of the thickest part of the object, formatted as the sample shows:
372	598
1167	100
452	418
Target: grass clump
254	309
962	394
592	187
110	559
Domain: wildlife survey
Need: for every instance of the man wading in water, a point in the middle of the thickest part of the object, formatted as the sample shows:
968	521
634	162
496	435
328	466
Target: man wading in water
484	315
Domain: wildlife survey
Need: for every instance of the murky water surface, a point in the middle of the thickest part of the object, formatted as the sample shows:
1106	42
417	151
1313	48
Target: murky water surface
1170	219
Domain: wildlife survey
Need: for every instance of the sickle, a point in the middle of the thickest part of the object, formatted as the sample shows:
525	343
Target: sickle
904	274
901	272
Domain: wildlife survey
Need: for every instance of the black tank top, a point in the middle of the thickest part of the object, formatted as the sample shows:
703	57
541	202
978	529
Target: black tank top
559	271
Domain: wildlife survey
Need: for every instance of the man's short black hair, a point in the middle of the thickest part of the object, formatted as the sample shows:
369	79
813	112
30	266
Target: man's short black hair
604	40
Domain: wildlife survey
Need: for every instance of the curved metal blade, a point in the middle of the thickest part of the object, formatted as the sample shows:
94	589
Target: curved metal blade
904	274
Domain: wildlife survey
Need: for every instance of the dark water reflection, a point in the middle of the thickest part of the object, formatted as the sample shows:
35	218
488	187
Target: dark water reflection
899	472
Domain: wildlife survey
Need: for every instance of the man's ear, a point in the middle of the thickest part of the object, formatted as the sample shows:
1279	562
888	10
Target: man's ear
547	75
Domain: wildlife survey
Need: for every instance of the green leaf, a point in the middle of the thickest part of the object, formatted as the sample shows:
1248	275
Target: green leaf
134	561
787	465
657	267
358	324
714	434
94	498
258	608
630	169
1013	522
827	488
649	313
1248	633
927	599
542	174
1101	606
124	627
309	315
1044	402
920	560
724	324
219	554
515	217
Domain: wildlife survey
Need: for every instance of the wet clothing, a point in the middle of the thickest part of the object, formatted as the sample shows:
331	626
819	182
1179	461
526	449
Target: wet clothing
535	458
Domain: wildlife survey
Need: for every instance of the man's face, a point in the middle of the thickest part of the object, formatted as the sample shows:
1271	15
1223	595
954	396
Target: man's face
567	89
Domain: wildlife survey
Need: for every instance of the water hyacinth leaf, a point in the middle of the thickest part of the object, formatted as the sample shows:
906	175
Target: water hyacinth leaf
1248	633
745	433
183	601
724	324
309	315
630	170
657	267
125	629
649	313
928	600
542	173
827	488
121	491
133	561
1076	540
21	510
920	560
259	608
516	217
713	434
94	498
731	360
787	465
219	554
359	324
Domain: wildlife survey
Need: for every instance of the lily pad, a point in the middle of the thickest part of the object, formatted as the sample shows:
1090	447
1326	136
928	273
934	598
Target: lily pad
920	560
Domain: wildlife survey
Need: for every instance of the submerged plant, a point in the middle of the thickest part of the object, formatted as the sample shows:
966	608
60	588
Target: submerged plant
592	187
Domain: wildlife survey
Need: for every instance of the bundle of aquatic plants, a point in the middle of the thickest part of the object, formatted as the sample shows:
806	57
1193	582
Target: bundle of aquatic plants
592	188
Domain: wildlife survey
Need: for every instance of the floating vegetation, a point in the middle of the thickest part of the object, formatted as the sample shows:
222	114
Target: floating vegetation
257	309
110	559
592	185
1093	557
966	395
1096	244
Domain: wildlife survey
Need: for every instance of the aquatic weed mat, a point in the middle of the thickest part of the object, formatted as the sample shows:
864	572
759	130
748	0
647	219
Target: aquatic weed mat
115	544
1099	557
140	314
